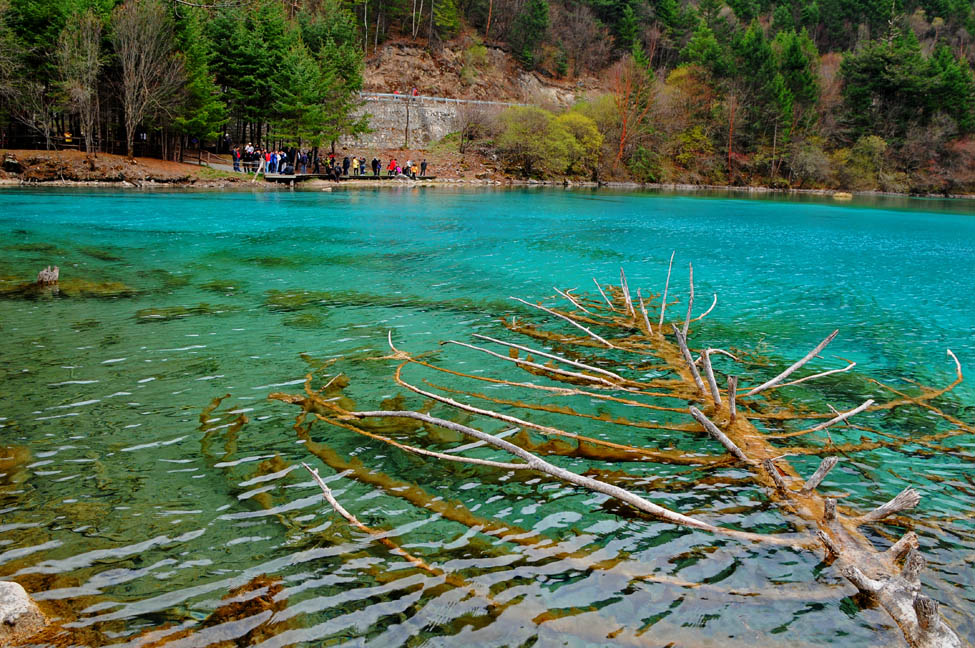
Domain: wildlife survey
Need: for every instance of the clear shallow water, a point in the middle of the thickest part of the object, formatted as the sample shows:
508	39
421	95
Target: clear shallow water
129	514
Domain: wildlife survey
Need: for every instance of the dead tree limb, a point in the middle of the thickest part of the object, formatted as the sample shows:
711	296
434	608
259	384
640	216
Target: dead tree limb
572	301
682	343
567	319
788	372
600	289
663	302
712	383
817	477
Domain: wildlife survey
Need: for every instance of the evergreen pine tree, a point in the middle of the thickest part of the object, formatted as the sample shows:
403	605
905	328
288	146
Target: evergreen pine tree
703	49
299	98
528	29
202	112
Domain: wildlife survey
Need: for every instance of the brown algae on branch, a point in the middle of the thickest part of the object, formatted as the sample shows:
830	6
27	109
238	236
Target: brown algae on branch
600	338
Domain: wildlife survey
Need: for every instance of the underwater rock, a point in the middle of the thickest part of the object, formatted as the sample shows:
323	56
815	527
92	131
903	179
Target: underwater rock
305	321
20	617
100	253
222	286
68	288
166	313
293	300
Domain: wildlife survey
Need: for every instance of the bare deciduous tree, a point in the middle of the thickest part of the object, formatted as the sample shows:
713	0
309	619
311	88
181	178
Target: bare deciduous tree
34	105
472	122
633	96
142	33
79	61
587	42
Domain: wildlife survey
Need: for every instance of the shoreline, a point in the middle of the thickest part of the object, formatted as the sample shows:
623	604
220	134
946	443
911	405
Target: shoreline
328	185
62	169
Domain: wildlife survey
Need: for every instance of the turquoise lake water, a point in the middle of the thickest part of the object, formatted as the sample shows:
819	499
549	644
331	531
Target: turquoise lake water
119	508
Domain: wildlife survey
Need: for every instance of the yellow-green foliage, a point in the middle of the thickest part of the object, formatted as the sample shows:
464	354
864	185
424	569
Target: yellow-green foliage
692	144
475	55
475	58
583	142
538	143
861	166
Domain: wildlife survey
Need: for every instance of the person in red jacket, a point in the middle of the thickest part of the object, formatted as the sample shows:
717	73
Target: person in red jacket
391	169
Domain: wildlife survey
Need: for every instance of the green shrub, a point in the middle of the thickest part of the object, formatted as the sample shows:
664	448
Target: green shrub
692	144
645	165
537	143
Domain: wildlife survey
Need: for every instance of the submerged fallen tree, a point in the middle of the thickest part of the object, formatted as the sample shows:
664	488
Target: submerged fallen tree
604	346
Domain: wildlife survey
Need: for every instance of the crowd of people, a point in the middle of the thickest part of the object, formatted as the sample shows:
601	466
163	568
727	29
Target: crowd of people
294	161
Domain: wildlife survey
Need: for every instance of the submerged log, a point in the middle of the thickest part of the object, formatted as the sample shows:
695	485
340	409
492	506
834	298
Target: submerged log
875	573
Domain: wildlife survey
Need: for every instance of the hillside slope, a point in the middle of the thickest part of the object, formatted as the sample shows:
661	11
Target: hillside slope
464	69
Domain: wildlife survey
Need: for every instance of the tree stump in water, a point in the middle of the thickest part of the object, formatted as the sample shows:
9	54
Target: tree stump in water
48	276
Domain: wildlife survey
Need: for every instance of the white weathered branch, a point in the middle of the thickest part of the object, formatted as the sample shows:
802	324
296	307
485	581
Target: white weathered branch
906	499
572	301
334	503
541	367
540	465
552	356
625	287
788	372
899	548
690	299
705	313
682	343
732	393
600	289
427	453
718	435
953	357
567	319
825	466
643	311
712	383
663	302
842	417
819	375
860	580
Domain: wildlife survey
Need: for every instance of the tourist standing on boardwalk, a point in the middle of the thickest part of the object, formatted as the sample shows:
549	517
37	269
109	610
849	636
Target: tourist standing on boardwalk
235	154
423	168
376	164
355	166
391	169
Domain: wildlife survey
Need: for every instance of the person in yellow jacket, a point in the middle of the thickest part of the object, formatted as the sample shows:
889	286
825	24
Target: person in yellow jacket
355	166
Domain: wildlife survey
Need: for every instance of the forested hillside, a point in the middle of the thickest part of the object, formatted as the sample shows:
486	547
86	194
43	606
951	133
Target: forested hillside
861	94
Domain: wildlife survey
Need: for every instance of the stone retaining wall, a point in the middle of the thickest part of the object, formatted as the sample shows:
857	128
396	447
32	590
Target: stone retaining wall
429	121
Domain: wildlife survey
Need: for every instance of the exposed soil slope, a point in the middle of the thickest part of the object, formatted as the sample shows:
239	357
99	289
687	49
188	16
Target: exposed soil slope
451	71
